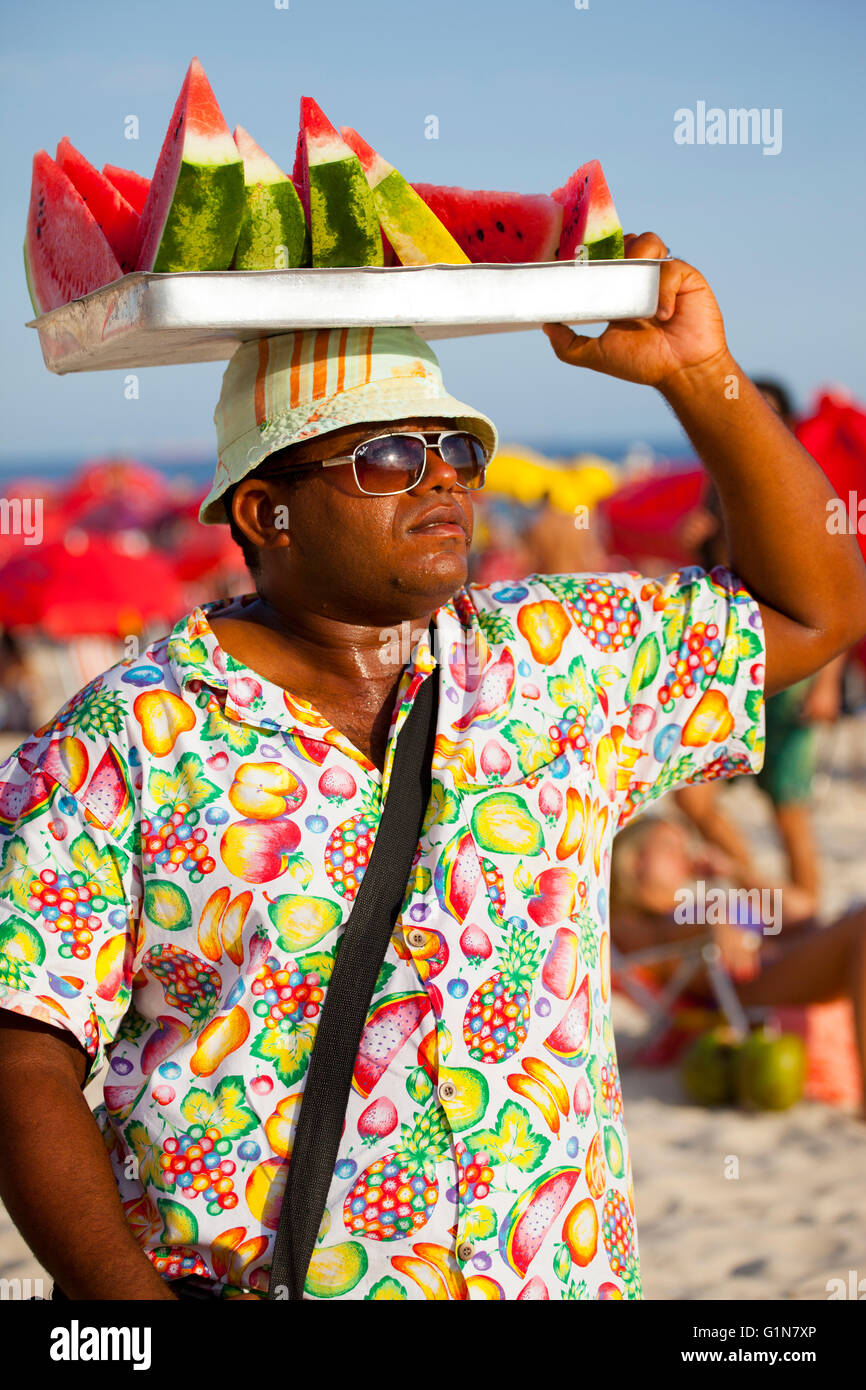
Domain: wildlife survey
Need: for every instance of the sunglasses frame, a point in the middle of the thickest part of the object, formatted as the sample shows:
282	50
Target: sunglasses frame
431	439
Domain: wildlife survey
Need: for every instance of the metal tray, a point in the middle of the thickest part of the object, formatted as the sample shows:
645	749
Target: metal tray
147	320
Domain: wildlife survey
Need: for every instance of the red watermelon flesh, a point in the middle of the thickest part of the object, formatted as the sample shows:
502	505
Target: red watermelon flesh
313	122
108	799
119	221
66	254
589	216
497	228
569	1040
18	802
131	186
388	1028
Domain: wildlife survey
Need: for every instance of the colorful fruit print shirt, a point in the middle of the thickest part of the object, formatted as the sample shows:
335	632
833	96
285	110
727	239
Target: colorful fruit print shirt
180	849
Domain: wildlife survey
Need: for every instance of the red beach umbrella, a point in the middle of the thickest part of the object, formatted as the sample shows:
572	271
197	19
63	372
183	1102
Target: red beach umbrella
644	515
200	552
835	435
86	585
113	494
29	514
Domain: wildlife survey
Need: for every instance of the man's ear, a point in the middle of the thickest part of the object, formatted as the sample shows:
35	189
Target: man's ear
262	512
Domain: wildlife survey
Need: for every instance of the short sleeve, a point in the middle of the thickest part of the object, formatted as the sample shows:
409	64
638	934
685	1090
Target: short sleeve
686	688
68	910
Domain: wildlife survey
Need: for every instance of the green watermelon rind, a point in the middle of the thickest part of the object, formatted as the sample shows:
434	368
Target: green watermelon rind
607	248
273	218
343	222
202	225
33	300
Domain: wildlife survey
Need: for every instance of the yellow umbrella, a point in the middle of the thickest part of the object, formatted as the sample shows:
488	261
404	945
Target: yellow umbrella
526	476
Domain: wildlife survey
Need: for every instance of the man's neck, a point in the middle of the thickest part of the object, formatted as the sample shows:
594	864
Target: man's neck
314	649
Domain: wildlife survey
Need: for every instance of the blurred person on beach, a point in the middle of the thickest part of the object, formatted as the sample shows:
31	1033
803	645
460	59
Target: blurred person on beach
210	807
502	553
16	693
563	542
655	864
791	719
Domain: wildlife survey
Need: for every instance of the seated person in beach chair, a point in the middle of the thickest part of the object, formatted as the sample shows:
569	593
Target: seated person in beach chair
654	876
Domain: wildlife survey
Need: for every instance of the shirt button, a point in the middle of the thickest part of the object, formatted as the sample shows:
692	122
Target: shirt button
417	938
447	1091
465	1250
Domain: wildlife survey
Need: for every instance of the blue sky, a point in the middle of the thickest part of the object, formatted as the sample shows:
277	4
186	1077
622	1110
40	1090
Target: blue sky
524	92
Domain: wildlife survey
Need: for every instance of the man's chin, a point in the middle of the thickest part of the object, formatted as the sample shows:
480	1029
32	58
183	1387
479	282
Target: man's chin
434	582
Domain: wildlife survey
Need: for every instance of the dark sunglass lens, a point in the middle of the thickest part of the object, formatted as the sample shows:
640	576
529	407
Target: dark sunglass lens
466	456
389	464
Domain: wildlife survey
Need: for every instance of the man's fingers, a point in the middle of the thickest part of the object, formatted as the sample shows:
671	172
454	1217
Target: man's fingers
671	277
567	344
645	246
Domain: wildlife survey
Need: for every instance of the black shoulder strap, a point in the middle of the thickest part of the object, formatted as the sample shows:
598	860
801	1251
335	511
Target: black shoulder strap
347	999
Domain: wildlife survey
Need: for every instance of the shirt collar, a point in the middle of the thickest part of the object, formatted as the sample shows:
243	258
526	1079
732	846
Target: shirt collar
194	655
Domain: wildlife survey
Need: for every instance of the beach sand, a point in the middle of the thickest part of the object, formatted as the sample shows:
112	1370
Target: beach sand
794	1216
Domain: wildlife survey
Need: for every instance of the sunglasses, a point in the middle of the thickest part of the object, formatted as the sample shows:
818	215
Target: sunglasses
392	463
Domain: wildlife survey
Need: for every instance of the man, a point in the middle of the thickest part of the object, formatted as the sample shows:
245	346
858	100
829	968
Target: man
252	750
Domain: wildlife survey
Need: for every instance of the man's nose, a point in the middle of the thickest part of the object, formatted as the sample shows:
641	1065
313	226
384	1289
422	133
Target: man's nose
437	473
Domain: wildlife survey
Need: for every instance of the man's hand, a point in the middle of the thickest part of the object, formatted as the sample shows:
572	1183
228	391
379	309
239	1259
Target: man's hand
687	330
810	584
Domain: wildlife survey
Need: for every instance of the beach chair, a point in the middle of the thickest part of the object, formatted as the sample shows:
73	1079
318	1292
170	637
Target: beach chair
672	1018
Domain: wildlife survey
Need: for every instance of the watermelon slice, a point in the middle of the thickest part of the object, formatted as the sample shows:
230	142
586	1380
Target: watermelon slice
195	203
389	1026
119	221
497	228
109	800
590	218
570	1039
417	235
523	1231
66	254
131	186
337	201
274	229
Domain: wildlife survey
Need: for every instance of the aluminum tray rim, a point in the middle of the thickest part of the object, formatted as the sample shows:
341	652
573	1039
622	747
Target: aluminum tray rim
149	319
